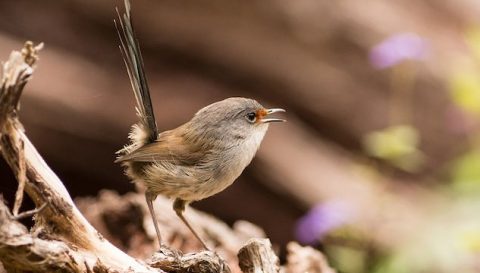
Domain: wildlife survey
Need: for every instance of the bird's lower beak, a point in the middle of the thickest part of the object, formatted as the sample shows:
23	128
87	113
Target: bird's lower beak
271	111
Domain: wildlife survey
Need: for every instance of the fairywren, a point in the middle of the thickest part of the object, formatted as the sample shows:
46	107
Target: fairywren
197	159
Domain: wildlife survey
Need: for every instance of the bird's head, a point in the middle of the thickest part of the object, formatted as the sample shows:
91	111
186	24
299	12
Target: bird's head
234	119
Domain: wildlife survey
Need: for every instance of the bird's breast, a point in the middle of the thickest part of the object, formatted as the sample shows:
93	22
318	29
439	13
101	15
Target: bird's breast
233	160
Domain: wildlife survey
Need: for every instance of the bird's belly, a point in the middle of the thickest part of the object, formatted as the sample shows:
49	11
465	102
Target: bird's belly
206	182
187	183
210	188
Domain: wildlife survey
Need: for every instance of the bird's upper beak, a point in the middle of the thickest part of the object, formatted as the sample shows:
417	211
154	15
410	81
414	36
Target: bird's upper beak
271	111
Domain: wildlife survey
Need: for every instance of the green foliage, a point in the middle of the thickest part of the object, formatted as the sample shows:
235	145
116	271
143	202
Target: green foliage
347	259
466	173
472	38
397	145
465	82
465	90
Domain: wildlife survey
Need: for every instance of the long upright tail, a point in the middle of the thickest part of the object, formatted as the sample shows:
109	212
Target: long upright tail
146	130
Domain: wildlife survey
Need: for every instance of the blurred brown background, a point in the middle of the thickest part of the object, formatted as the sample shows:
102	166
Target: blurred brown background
309	57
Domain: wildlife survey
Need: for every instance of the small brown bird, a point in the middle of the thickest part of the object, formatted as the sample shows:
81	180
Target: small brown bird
197	159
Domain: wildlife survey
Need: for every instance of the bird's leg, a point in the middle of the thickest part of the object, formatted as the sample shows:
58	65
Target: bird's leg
179	207
150	197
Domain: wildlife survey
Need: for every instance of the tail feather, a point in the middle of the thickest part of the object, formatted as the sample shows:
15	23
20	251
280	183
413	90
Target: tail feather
146	130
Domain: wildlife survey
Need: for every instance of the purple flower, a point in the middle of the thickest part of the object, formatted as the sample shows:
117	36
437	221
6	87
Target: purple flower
397	48
320	220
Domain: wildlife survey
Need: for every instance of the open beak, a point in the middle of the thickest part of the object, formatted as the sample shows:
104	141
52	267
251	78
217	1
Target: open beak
271	111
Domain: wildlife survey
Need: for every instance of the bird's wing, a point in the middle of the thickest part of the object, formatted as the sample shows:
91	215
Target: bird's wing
168	147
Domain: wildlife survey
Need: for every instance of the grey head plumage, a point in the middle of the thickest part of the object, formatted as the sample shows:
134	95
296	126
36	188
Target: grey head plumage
233	118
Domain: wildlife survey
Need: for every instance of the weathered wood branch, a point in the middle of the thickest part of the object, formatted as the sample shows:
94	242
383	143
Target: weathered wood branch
175	261
109	211
60	218
258	256
22	251
305	259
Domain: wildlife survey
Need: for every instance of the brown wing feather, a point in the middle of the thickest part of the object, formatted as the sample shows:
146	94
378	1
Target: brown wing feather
168	147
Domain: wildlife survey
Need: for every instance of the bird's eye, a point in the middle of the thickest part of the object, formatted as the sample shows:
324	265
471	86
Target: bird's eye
251	117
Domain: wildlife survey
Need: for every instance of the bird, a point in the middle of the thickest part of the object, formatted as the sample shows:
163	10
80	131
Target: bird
199	158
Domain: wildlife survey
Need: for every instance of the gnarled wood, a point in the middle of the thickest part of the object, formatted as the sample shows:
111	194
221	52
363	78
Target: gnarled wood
60	219
257	256
305	259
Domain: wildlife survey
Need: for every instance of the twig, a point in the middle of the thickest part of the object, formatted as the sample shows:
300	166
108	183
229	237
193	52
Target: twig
20	177
16	73
29	213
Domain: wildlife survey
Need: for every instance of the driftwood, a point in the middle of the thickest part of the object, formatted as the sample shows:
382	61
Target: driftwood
60	218
305	259
258	254
62	239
